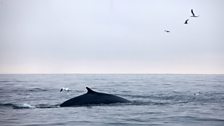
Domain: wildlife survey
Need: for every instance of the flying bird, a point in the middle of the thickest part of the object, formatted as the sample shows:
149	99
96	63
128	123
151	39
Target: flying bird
167	31
186	21
193	15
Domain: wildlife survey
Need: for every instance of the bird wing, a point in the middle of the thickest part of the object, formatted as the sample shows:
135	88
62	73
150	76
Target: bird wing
186	21
192	12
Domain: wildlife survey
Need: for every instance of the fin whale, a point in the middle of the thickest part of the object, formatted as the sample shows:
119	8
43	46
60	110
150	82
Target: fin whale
93	98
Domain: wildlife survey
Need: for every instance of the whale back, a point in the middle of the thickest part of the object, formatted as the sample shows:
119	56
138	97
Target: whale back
93	98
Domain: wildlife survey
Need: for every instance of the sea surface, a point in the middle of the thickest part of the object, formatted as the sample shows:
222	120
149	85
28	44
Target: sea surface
157	100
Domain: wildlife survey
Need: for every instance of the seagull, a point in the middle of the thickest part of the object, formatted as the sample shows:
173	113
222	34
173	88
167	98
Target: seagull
193	15
167	31
186	22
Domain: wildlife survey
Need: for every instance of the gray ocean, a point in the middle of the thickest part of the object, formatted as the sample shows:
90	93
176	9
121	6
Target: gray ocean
157	100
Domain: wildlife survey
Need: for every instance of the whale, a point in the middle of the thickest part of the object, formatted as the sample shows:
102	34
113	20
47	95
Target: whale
93	98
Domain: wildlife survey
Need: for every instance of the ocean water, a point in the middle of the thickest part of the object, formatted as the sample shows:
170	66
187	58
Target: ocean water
157	99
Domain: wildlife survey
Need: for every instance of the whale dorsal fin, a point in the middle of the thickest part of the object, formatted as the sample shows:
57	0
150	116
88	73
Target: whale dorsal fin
90	90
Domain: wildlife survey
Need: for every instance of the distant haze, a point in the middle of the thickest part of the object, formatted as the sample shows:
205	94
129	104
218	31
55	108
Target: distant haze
111	36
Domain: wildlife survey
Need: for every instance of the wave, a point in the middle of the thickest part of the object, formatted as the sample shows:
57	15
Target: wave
204	119
159	99
148	103
181	98
27	106
29	90
36	90
17	106
4	81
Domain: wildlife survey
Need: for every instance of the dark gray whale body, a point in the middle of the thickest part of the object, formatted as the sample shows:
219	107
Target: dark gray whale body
93	98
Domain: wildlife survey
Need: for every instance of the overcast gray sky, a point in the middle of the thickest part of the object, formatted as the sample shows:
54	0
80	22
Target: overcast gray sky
111	36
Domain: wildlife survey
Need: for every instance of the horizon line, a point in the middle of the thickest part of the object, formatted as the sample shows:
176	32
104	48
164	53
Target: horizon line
112	73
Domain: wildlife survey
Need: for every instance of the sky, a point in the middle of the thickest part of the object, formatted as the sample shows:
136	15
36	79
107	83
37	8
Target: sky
111	36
